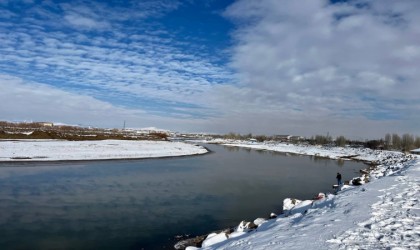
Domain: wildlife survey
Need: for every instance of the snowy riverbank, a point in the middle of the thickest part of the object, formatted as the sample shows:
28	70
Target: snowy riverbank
381	214
58	150
362	154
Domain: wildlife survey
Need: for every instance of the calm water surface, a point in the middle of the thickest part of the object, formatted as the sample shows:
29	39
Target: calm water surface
143	204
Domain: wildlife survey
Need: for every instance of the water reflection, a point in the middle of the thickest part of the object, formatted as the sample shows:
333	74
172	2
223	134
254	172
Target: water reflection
230	149
144	203
340	162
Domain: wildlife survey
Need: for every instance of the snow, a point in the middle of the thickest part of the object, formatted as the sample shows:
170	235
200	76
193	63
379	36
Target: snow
363	154
59	150
214	239
15	133
380	214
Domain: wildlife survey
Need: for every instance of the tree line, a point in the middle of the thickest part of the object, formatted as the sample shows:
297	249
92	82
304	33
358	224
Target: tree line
237	136
405	142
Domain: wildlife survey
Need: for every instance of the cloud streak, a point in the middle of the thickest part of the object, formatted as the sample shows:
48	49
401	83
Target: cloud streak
127	64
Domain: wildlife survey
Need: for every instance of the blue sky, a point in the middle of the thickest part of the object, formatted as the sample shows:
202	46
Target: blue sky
272	67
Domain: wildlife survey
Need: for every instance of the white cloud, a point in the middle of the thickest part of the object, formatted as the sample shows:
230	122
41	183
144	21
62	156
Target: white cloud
322	67
126	66
22	99
79	21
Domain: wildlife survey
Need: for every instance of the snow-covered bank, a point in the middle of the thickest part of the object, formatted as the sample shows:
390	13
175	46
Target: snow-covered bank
58	150
362	154
382	214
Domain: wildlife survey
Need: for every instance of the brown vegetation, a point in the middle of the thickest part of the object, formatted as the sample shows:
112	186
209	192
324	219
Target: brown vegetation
38	130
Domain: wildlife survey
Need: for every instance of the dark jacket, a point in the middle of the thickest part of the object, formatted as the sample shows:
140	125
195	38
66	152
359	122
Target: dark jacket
338	177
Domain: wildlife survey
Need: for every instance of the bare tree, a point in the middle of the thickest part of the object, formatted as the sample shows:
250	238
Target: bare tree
417	142
388	141
396	141
407	142
322	139
340	141
261	138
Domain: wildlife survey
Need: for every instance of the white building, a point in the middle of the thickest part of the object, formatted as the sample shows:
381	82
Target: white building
415	151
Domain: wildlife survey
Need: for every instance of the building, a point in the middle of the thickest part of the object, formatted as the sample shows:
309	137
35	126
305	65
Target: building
283	138
296	138
45	124
415	151
288	138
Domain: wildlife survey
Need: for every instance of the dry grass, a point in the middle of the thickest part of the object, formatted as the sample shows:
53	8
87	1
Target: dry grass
71	133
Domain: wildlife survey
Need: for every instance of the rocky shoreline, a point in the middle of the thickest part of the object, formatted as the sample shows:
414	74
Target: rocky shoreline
378	168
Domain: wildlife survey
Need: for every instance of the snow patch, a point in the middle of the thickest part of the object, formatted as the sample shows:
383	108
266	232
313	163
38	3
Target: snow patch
58	150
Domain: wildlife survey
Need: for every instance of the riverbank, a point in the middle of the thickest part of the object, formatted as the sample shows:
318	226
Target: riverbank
61	150
380	214
345	153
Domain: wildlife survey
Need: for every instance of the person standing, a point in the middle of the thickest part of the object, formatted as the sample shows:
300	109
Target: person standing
339	179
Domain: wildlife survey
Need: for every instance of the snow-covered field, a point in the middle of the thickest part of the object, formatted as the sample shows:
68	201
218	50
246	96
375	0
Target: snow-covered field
57	150
381	214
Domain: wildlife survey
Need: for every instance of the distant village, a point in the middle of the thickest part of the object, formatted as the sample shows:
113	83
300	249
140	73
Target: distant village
36	130
49	130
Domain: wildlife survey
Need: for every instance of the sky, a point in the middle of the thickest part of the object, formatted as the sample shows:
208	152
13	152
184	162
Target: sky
264	67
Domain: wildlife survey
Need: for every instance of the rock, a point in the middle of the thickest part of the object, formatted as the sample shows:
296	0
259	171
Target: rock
228	231
320	196
289	203
302	207
194	242
246	226
191	248
251	225
363	171
242	227
214	238
273	215
259	221
198	241
366	179
357	181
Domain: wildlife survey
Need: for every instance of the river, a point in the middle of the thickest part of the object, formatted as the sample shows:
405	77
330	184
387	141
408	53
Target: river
143	204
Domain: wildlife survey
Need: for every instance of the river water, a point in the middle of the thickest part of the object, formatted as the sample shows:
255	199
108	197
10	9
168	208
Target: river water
143	204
